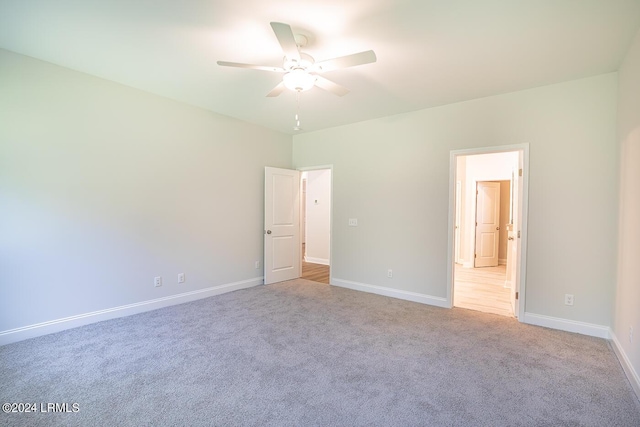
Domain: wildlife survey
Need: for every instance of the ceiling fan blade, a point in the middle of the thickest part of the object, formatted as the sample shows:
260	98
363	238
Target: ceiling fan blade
352	60
251	66
276	90
330	86
287	40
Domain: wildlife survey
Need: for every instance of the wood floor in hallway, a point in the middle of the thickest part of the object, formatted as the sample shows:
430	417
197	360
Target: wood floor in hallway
482	289
315	272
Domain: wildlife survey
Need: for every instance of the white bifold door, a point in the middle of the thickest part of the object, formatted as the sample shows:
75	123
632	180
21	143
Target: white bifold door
281	225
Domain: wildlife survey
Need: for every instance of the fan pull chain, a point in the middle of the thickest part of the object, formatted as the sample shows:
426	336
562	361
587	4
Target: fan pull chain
297	126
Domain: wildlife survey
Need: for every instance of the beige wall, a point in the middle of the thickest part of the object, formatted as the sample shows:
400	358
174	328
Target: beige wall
393	175
104	187
627	303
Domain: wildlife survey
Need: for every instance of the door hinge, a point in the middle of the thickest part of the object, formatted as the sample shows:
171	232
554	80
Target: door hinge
518	234
520	172
475	255
517	294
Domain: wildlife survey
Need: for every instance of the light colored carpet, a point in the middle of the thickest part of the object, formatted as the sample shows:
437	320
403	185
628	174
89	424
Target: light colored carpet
300	353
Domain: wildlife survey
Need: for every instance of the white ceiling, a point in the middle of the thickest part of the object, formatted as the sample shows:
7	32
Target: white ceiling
430	52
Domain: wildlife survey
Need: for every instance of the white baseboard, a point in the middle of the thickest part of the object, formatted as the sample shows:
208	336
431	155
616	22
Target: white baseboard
44	328
467	264
316	260
632	375
568	325
502	262
390	292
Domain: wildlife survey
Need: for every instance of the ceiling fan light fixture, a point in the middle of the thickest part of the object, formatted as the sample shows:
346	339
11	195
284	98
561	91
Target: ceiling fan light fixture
299	80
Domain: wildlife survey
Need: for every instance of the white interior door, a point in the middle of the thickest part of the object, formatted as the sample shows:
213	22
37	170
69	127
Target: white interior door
282	225
487	224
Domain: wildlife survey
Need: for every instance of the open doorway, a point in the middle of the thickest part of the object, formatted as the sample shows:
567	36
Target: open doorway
315	224
488	214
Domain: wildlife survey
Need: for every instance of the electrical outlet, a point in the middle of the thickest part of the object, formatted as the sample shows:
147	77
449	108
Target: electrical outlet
630	334
157	281
181	278
389	273
353	222
568	299
257	264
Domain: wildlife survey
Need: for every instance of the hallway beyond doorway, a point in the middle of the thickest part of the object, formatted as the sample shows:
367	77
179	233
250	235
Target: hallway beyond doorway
316	272
482	289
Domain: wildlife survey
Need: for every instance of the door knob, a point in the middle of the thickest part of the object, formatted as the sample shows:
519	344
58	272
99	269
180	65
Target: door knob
509	238
497	228
268	231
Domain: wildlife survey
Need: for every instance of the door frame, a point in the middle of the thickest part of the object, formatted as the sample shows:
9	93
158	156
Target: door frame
315	168
458	196
521	262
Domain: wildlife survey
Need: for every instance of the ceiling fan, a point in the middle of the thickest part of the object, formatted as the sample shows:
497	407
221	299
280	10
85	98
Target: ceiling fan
301	72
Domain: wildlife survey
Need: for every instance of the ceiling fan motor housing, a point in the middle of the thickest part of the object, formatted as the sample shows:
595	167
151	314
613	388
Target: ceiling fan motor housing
305	62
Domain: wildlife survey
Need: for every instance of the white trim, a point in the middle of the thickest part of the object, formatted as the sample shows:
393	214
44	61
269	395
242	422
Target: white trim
25	332
584	328
451	224
456	231
502	261
390	292
314	168
627	367
521	281
490	150
313	260
468	264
